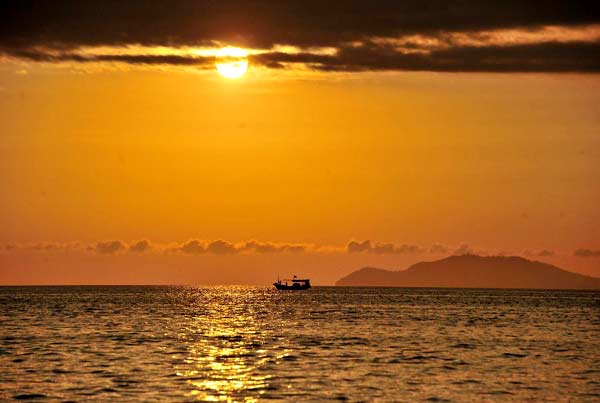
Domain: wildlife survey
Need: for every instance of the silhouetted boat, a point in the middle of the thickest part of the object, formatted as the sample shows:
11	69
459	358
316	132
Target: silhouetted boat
295	284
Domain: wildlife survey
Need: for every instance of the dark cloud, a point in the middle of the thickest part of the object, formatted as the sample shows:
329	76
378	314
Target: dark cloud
296	248
192	247
272	247
405	248
140	246
52	31
48	56
262	23
354	246
275	59
221	247
381	248
587	253
539	57
110	247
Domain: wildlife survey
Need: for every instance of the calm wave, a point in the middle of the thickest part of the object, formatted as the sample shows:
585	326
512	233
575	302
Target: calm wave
250	343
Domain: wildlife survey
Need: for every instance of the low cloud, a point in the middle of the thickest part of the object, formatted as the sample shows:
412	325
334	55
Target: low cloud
295	248
140	246
220	247
438	248
43	246
110	247
47	246
382	248
354	246
192	247
223	247
273	247
48	56
587	253
405	248
464	249
379	248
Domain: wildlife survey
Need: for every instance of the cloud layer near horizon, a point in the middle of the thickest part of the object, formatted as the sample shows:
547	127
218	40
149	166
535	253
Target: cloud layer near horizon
511	36
190	247
223	247
587	253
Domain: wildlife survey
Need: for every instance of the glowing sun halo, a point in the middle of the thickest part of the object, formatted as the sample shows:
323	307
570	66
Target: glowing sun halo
231	62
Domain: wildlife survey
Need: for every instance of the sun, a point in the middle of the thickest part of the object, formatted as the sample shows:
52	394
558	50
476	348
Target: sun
231	62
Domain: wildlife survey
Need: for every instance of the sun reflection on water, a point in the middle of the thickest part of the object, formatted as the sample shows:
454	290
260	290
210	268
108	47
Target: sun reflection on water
225	361
173	344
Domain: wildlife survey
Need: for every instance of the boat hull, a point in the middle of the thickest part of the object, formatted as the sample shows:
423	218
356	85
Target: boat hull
293	287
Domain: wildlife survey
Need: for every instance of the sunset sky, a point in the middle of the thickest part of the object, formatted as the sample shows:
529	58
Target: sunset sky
425	128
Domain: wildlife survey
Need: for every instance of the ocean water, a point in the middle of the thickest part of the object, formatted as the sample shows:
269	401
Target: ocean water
173	344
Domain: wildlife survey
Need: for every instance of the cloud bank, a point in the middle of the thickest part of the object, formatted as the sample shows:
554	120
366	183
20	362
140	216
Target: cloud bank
382	248
221	247
227	248
431	35
140	246
587	253
110	247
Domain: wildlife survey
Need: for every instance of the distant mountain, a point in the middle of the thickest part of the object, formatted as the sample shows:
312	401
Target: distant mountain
472	271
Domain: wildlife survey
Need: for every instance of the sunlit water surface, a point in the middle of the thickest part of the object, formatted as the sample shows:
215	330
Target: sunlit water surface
250	343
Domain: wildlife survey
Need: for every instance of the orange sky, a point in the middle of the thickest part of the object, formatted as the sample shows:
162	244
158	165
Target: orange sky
506	163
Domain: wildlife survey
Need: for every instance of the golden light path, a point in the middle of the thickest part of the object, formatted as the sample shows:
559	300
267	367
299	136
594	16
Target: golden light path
227	358
232	62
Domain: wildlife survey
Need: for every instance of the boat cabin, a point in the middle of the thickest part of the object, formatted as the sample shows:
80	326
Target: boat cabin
292	284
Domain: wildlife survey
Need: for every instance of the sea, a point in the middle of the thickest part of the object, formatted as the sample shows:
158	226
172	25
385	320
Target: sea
249	344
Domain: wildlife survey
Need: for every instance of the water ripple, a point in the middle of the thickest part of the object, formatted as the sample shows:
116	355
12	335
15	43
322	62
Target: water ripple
248	344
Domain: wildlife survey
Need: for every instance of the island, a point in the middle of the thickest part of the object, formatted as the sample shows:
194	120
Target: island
473	271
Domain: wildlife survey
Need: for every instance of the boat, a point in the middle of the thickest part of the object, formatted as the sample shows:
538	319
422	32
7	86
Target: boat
294	284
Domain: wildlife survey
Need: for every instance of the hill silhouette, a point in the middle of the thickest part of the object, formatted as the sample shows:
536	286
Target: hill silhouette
472	271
